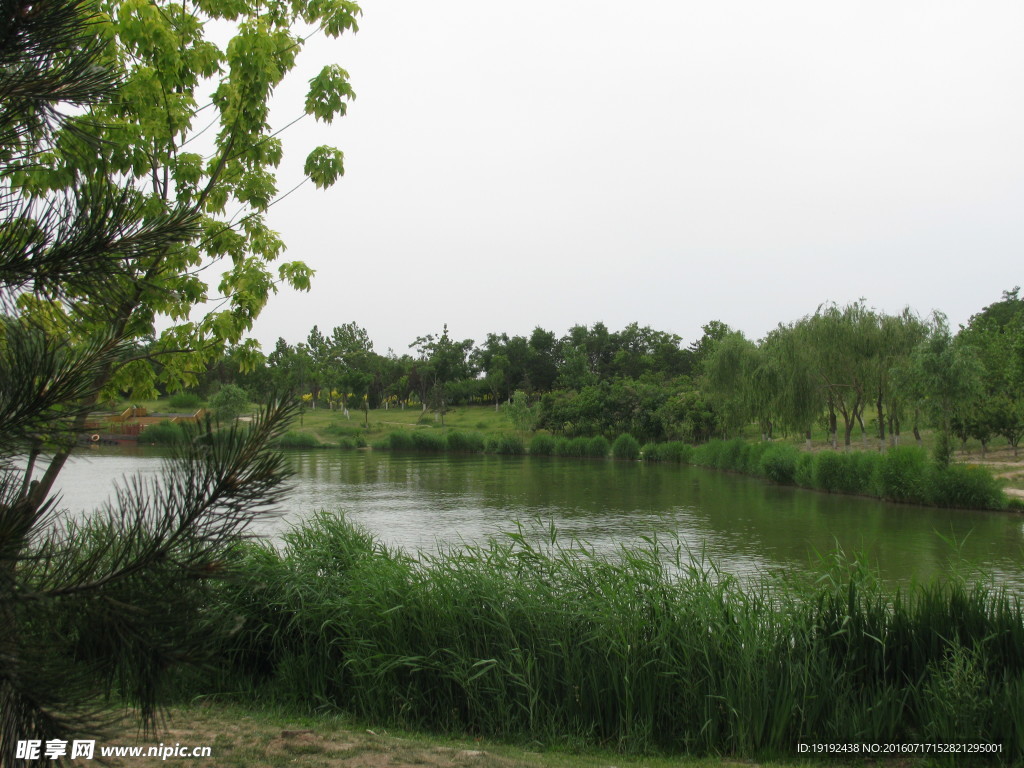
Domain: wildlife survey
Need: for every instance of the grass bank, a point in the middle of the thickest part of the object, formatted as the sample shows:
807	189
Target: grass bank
904	474
557	644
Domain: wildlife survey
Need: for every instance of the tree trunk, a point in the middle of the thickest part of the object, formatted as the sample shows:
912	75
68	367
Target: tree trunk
832	426
807	437
881	424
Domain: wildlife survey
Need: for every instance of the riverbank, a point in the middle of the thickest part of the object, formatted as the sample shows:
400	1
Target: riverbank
904	473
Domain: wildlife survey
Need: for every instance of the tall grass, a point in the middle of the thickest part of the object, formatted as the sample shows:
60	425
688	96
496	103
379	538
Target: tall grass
554	641
626	447
465	442
598	447
678	452
162	433
508	445
542	445
903	474
293	439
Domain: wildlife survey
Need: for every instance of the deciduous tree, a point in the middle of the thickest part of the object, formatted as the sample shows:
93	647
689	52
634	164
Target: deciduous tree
113	602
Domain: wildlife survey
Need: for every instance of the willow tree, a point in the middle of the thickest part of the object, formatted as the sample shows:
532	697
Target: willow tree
841	346
800	400
114	602
897	337
745	381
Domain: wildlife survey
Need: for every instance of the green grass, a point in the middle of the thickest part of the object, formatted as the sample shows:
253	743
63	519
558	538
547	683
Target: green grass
555	643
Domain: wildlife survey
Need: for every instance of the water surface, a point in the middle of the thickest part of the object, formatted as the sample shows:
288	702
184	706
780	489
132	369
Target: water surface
744	525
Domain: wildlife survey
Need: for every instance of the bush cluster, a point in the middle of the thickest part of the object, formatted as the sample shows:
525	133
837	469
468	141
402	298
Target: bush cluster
184	401
298	440
162	433
903	474
624	447
507	445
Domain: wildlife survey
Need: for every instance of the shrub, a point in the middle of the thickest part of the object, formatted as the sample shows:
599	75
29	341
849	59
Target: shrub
576	447
162	433
721	454
230	402
865	472
681	453
543	445
829	472
184	401
749	459
803	473
465	442
778	463
598	447
400	441
509	445
297	440
731	457
626	447
427	442
903	474
966	486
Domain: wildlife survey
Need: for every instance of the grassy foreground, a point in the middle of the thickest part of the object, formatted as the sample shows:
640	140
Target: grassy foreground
242	737
555	644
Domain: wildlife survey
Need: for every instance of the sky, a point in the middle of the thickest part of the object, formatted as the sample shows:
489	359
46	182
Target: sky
661	162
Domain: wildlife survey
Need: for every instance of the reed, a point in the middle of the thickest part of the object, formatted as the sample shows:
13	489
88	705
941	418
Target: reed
576	447
903	474
465	442
162	433
626	447
428	442
678	452
298	440
542	445
598	447
644	650
507	445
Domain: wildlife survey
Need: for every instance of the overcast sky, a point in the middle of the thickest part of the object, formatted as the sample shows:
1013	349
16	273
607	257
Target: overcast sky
664	162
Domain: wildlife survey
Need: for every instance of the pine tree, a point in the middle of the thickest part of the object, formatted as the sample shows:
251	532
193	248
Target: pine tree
112	602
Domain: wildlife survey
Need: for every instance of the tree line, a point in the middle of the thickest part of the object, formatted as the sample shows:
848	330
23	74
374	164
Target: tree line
848	371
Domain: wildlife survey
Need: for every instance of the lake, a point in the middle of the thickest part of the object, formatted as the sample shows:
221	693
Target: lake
744	525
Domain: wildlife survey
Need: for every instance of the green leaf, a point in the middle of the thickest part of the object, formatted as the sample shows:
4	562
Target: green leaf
324	165
328	92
